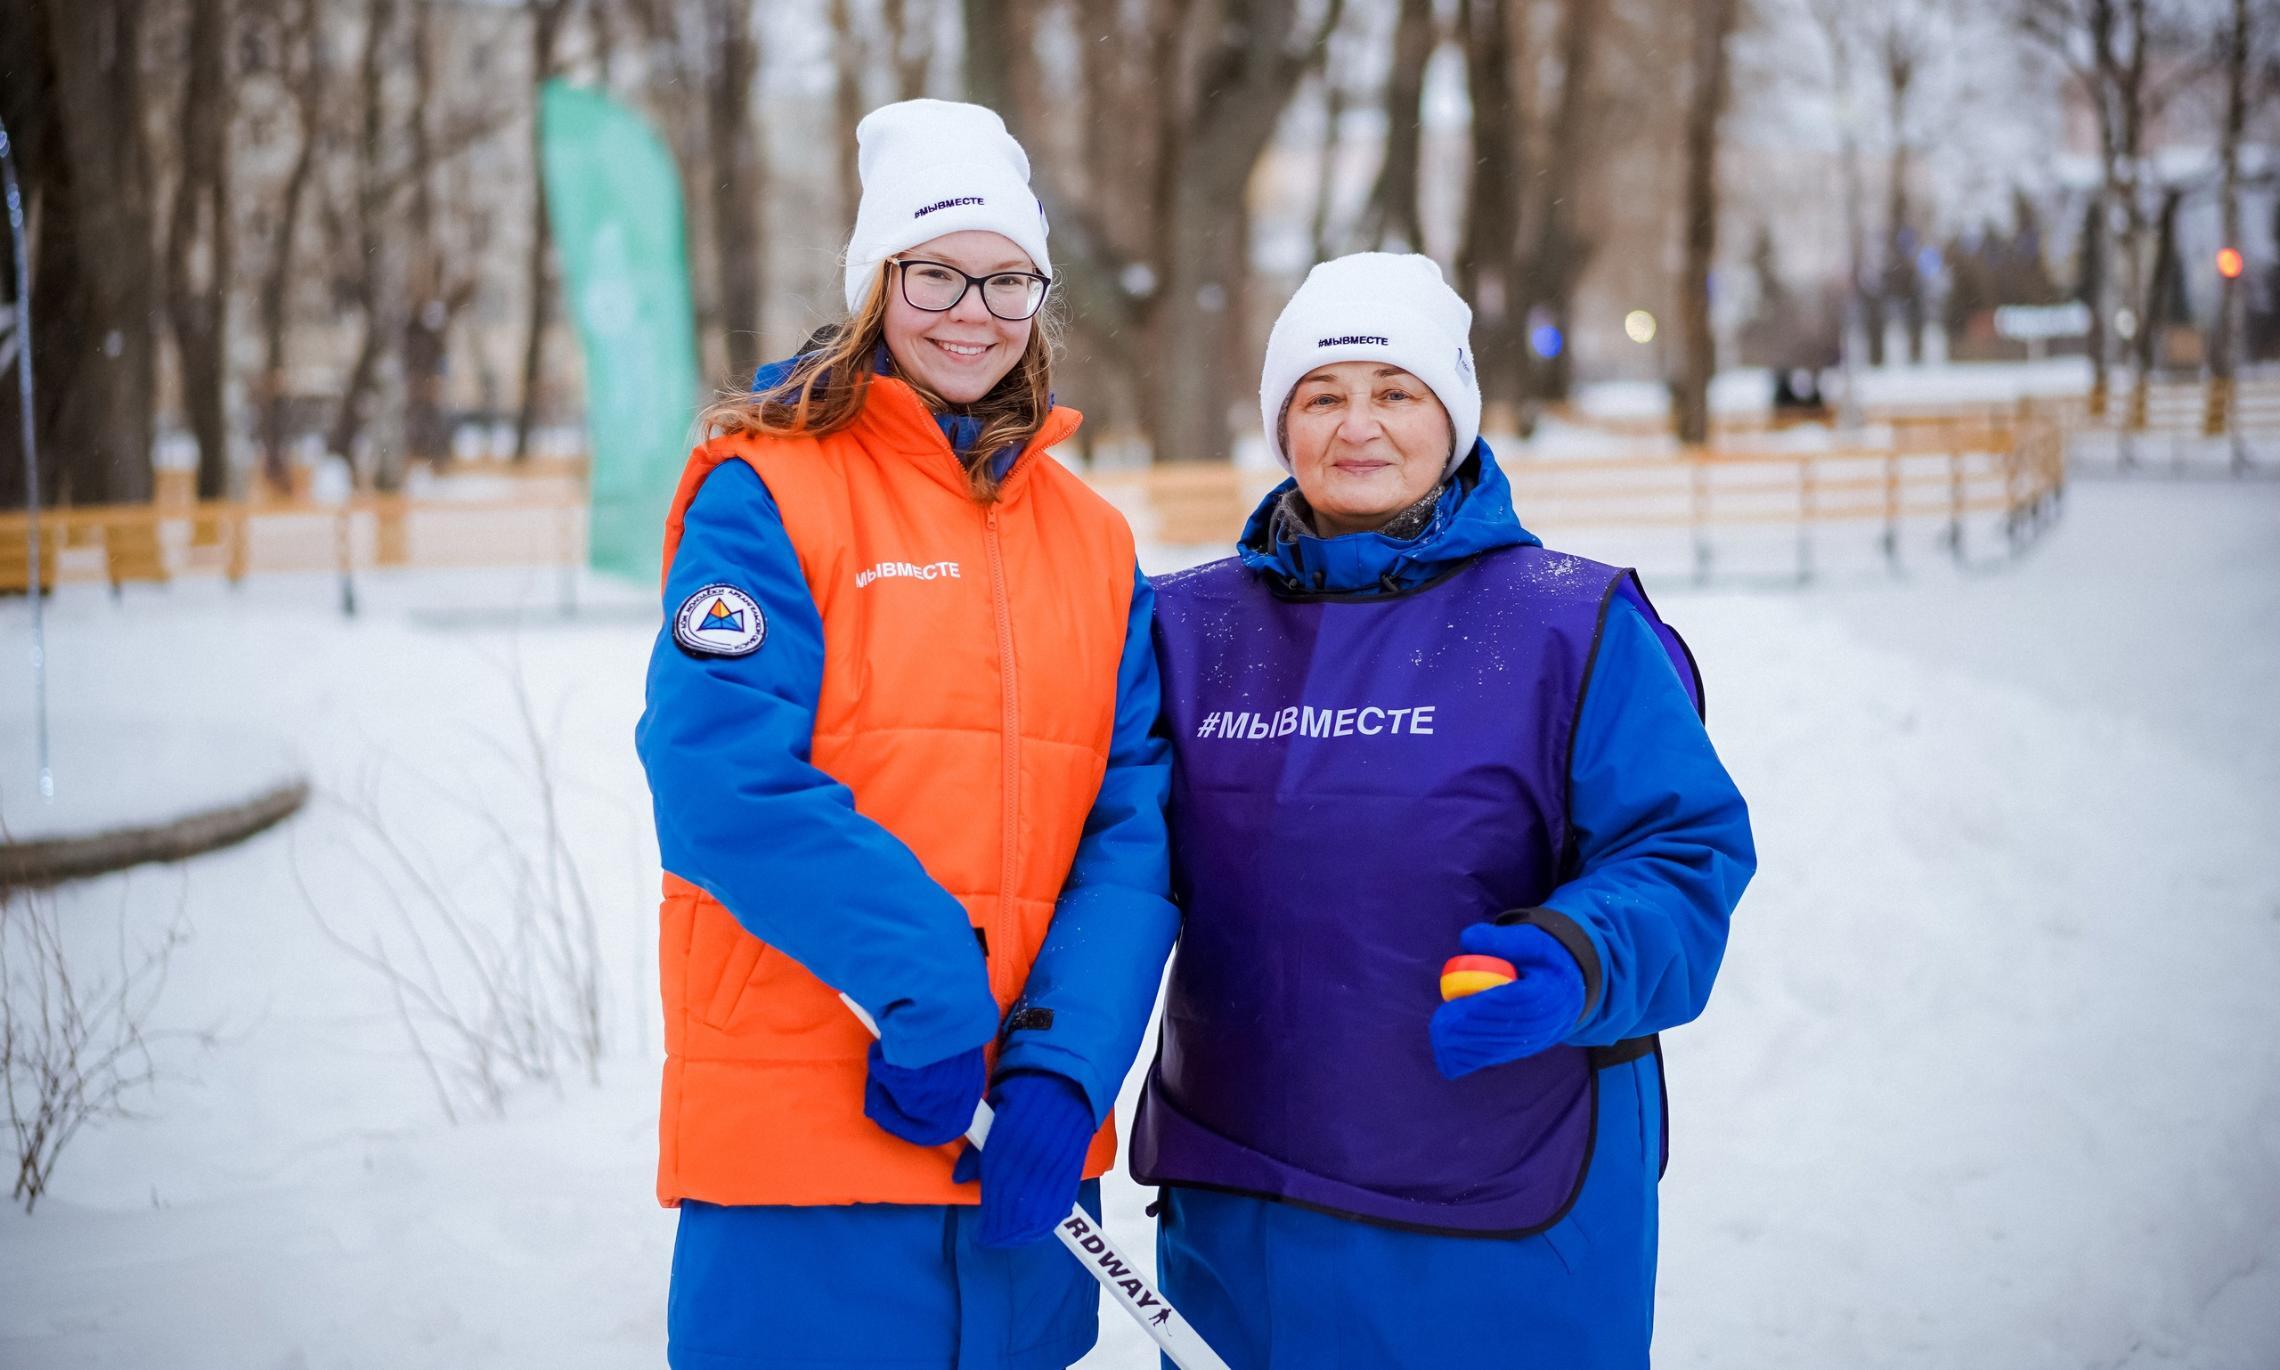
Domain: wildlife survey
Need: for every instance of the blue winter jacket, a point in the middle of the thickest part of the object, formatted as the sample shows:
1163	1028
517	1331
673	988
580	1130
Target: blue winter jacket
1664	837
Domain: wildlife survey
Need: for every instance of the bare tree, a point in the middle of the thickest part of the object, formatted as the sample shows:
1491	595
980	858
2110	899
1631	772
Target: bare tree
1393	221
1231	80
2225	333
1153	261
301	67
75	1041
1319	219
1900	50
738	245
1714	22
363	231
909	45
848	62
1887	46
1489	268
1864	316
498	989
434	291
991	51
548	18
74	103
2106	48
198	282
1556	263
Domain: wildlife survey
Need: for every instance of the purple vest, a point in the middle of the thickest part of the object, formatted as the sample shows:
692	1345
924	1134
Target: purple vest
1356	780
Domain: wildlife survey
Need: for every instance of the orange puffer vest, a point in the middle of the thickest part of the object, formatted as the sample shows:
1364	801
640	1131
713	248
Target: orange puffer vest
970	712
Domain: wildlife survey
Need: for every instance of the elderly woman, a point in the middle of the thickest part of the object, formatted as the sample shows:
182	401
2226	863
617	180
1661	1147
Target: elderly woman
1404	730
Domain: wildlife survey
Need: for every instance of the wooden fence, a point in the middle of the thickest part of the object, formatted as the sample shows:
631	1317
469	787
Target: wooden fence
157	542
2000	466
2180	419
1946	476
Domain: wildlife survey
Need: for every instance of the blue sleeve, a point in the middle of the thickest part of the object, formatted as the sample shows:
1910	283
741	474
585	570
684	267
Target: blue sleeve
1086	1004
743	814
1664	844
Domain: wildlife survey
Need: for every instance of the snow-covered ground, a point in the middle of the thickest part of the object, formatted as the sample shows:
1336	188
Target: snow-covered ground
179	769
1991	1077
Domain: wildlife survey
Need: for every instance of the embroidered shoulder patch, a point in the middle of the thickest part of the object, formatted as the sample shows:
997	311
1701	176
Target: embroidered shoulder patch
719	620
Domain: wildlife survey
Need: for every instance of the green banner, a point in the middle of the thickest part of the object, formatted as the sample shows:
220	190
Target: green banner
614	200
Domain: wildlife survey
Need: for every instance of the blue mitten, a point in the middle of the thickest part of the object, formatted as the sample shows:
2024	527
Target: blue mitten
929	1104
1035	1159
1512	1021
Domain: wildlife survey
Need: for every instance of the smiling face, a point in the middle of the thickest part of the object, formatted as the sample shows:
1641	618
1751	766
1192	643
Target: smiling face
1366	441
963	352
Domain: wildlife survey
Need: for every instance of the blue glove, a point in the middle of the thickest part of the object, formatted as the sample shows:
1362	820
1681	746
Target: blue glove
1035	1159
929	1104
1512	1021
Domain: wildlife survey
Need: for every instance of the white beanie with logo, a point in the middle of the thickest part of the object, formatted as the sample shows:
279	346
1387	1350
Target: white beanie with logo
931	167
1375	307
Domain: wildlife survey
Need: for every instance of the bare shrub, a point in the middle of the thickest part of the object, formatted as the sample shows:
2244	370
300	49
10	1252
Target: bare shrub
493	963
75	1042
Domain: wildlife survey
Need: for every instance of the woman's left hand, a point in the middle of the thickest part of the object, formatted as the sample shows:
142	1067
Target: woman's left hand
1515	1021
1035	1158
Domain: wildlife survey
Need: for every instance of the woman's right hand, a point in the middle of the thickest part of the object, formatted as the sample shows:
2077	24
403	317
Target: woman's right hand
927	1105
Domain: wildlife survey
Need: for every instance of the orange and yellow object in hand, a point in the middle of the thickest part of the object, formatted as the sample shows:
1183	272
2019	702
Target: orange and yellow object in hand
1464	975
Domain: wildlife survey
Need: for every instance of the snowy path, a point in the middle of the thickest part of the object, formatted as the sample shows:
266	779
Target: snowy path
1990	1079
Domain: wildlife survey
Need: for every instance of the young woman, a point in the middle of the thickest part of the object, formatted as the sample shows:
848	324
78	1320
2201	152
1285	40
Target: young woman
898	737
1404	730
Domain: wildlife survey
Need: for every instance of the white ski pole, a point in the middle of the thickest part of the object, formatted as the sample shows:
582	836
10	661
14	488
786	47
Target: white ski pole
1097	1254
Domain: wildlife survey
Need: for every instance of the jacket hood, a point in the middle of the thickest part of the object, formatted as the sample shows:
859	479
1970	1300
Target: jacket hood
1474	515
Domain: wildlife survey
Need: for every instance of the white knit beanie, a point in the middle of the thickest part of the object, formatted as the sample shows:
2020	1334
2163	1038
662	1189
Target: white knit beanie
1375	307
931	167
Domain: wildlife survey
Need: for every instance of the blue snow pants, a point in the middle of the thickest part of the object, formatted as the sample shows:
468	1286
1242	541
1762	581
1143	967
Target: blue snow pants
1273	1286
860	1285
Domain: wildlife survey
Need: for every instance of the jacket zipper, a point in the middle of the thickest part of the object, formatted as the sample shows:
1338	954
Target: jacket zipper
1001	935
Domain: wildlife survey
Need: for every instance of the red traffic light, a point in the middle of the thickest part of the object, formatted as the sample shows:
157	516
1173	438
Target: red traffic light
2229	263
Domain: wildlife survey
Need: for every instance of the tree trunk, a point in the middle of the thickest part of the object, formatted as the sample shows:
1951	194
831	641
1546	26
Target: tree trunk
1488	254
2090	287
2136	286
93	299
1713	22
427	323
28	108
1560	255
1900	283
2225	332
198	308
546	17
371	204
908	57
1246	77
1903	285
1194	318
1326	168
847	63
1102	219
737	242
990	30
308	84
1394	215
2165	284
1834	20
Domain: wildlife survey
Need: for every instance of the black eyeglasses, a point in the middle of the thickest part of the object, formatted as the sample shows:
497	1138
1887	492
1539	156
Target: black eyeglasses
936	287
